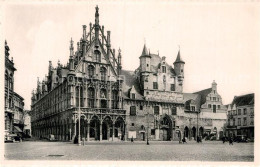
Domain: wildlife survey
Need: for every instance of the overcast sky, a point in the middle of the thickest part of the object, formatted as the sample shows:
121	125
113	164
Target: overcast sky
218	41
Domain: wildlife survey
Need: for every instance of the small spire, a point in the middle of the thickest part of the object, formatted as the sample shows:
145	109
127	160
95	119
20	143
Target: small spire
84	32
178	59
145	51
97	16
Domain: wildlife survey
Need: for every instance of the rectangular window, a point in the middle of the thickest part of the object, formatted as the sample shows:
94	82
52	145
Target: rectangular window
209	106
218	106
141	107
239	111
193	108
234	121
228	112
155	85
133	110
214	108
239	122
251	111
133	95
174	111
245	111
156	110
245	121
172	87
214	98
163	69
152	131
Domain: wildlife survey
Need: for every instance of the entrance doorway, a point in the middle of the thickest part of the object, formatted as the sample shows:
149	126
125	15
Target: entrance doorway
166	126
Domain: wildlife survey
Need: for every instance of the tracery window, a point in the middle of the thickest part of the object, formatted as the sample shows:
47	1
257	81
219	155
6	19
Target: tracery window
103	73
91	71
91	97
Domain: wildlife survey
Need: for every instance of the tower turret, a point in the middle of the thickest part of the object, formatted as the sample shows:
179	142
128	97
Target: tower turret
179	68
145	60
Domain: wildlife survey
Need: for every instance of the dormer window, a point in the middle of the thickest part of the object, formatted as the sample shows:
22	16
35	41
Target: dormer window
193	108
133	96
163	69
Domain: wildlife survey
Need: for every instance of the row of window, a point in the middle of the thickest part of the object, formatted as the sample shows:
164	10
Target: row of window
155	86
239	112
239	123
214	107
91	72
156	110
214	99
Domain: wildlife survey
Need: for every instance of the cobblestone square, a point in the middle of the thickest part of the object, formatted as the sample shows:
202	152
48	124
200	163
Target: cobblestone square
127	151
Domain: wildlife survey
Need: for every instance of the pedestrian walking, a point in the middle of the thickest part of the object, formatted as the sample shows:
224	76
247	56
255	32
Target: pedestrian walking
230	141
132	139
184	140
224	139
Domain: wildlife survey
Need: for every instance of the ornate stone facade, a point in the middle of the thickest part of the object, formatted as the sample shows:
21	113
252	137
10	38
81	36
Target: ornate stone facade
14	105
116	104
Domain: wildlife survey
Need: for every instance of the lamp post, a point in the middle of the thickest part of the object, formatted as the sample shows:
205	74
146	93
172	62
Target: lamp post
147	141
198	126
79	115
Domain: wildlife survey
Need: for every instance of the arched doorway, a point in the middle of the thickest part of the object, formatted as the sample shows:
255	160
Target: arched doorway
120	128
94	128
194	133
201	130
106	128
166	126
186	132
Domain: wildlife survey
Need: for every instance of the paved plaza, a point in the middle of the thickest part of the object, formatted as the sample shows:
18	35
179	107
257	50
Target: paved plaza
139	151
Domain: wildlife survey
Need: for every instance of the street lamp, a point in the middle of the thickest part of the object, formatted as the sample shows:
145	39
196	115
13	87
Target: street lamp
197	126
147	141
79	115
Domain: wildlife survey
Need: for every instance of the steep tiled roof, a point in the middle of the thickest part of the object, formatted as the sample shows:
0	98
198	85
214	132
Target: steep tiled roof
130	80
203	94
187	97
243	100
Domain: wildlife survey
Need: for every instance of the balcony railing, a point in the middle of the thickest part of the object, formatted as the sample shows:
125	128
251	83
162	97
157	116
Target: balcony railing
100	111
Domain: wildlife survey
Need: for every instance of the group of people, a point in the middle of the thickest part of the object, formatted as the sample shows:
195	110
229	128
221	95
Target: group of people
230	139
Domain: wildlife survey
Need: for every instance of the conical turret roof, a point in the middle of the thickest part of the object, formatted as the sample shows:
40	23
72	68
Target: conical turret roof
178	59
145	51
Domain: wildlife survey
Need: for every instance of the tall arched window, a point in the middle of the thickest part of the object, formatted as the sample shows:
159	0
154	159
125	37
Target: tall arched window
97	55
91	97
6	80
114	99
91	71
79	96
103	73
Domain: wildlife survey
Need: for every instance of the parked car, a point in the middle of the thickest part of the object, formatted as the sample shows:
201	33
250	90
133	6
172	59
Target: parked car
240	138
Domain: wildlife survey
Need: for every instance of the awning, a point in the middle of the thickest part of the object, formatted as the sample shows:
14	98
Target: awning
17	129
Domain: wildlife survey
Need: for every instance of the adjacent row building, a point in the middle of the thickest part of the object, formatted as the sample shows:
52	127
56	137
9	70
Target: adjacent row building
116	104
240	121
14	103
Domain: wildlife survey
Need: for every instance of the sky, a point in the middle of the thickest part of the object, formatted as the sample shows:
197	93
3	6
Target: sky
218	41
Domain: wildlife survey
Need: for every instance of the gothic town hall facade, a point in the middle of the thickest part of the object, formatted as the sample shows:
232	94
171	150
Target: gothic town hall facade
115	104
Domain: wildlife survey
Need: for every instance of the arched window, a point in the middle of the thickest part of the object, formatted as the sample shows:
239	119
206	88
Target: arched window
91	97
103	73
91	71
79	96
114	99
6	80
